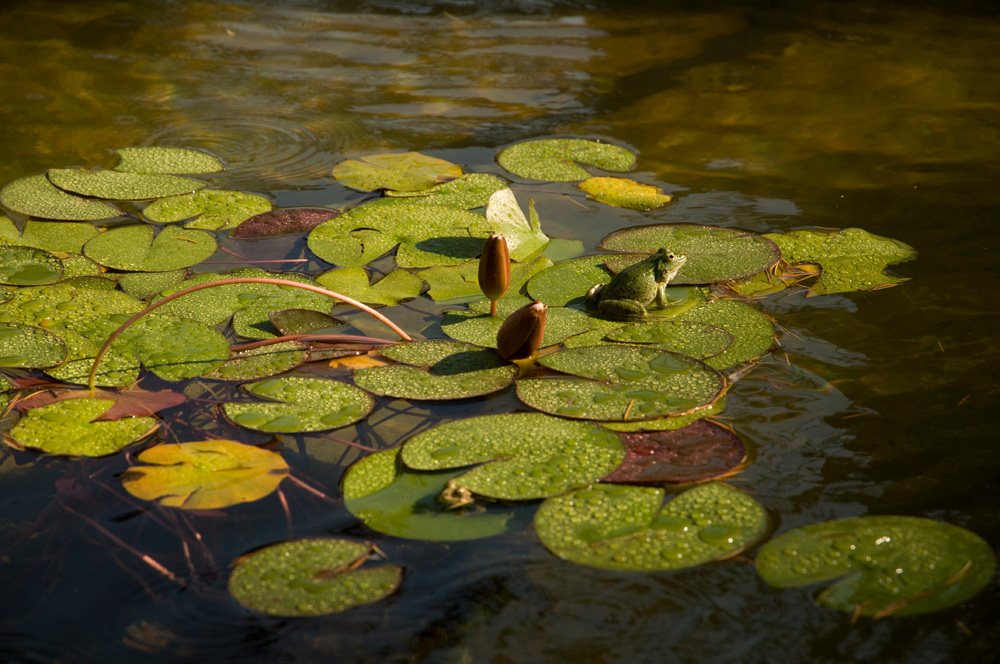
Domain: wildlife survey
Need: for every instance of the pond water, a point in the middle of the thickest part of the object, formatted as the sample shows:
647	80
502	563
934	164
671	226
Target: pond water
765	116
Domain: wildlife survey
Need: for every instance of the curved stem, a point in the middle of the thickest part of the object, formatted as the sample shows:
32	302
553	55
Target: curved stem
326	338
223	282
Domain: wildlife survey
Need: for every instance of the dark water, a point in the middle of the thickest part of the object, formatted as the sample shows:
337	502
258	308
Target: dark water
766	116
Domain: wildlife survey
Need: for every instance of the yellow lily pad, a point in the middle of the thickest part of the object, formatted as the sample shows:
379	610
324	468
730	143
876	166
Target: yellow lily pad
622	192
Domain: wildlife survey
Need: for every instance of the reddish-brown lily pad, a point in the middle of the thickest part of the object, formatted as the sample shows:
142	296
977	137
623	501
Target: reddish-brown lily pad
282	222
695	453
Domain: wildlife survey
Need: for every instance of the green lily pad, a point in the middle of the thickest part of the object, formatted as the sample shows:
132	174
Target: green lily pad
438	370
27	266
566	284
48	235
621	383
302	321
452	282
882	565
121	186
205	475
629	528
405	171
261	362
853	259
667	423
212	209
479	327
37	197
524	236
134	249
116	369
691	338
310	577
558	159
626	193
80	269
470	191
56	305
282	222
390	290
521	456
145	284
752	331
300	405
29	347
401	502
713	253
166	160
68	427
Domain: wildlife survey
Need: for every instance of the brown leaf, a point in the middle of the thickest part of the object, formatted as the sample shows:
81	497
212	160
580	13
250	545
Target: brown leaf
282	222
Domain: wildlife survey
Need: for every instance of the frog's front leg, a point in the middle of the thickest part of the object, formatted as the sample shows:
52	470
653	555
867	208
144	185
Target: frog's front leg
621	309
661	296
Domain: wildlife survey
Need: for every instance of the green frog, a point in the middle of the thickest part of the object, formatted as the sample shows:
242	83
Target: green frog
637	286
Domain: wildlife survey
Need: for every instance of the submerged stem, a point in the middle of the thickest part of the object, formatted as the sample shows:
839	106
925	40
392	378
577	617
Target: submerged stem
240	280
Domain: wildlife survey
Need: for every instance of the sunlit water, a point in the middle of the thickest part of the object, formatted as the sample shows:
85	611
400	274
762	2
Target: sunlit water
769	118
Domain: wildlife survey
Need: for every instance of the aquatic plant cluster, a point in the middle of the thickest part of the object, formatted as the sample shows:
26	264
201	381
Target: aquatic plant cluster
98	292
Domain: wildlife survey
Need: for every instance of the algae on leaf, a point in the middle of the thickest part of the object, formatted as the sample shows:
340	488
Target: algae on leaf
211	209
134	249
166	160
300	404
558	159
404	171
626	193
68	427
121	186
37	197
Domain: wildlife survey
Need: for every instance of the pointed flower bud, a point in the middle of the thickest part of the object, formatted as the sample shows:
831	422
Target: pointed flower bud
494	270
521	334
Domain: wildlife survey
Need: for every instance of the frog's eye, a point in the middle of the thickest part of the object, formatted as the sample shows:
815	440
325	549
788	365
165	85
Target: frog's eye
670	257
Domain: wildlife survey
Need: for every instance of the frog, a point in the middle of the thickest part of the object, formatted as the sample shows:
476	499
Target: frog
637	286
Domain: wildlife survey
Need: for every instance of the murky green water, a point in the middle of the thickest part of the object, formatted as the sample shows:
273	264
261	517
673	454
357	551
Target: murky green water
768	118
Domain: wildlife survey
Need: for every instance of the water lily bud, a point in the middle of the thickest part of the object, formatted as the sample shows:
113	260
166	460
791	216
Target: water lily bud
521	334
494	270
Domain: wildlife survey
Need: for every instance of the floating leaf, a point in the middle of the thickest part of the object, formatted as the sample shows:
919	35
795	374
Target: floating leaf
29	347
282	222
695	453
68	427
882	565
144	284
56	305
691	338
667	423
853	259
713	253
302	321
524	238
457	281
405	171
261	362
137	402
134	249
48	235
522	456
621	383
390	290
116	369
310	577
303	404
212	210
401	502
27	266
557	159
205	475
439	370
472	190
166	160
626	193
479	327
37	197
121	186
629	528
752	331
565	284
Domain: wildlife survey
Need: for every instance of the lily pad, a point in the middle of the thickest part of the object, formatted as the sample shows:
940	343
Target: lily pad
213	209
68	427
401	502
691	338
621	383
626	193
390	290
881	565
145	284
629	528
166	160
27	266
713	253
558	159
479	327
457	281
121	186
438	369
302	321
282	222
405	171
261	362
134	249
300	405
566	284
310	577
205	475
697	452
520	456
29	347
853	259
37	197
56	305
752	331
115	369
470	191
48	235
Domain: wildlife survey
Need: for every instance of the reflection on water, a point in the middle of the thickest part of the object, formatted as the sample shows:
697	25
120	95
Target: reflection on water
755	115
